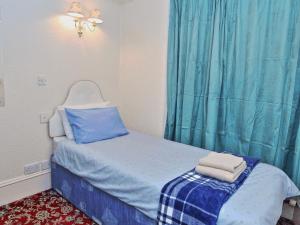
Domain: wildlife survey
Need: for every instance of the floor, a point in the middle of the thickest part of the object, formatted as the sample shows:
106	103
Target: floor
46	208
49	208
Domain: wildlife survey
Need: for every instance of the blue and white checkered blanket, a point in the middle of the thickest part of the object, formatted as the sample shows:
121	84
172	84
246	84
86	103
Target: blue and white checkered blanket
195	199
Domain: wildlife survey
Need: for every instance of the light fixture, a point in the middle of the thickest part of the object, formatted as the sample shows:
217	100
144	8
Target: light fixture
95	17
81	21
75	10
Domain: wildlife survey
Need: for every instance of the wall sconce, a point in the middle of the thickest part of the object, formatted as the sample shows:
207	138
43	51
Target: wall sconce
81	21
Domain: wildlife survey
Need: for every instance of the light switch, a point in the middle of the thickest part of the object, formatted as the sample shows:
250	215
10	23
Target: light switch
2	95
44	117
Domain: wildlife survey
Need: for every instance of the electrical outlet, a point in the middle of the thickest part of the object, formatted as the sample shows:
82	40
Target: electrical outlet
32	168
44	117
45	165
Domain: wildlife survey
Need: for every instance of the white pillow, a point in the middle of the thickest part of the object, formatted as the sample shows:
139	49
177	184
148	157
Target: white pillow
64	118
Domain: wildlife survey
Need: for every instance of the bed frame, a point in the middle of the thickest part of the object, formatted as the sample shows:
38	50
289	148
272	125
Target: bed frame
103	208
81	93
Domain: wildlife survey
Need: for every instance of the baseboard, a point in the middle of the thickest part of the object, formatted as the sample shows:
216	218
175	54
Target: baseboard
24	186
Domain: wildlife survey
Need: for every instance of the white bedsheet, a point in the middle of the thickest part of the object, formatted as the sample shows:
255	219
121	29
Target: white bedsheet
134	168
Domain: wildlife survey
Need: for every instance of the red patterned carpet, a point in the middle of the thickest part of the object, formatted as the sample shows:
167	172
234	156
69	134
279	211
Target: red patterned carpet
45	208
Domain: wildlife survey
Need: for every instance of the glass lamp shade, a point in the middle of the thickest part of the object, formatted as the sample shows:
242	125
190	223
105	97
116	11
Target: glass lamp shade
95	17
75	10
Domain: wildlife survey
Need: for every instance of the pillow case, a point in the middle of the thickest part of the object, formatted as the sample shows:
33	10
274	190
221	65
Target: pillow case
91	125
65	121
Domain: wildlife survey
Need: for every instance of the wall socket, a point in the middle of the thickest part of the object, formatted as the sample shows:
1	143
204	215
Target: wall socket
32	168
37	167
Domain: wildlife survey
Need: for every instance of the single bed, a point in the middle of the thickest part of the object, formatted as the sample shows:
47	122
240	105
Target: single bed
125	176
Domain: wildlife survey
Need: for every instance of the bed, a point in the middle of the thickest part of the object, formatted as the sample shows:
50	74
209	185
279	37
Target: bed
119	181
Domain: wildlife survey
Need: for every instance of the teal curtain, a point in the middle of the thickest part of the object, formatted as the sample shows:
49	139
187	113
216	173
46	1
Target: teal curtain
234	78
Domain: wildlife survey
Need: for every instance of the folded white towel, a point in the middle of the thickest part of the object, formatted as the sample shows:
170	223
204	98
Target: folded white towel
222	174
221	161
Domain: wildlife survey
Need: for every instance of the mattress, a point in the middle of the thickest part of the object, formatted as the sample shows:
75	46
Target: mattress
135	167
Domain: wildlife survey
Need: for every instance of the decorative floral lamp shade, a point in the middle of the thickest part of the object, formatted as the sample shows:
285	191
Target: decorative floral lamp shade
95	17
82	21
75	10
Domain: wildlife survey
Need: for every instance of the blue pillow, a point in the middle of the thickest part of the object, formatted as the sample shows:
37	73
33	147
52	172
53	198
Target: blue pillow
91	125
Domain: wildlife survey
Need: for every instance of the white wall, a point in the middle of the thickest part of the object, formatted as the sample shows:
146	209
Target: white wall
126	56
144	29
37	40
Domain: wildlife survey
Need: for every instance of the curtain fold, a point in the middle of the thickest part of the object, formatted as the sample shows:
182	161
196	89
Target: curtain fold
234	78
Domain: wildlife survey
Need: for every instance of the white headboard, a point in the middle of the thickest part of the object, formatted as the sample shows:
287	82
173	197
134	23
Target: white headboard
81	93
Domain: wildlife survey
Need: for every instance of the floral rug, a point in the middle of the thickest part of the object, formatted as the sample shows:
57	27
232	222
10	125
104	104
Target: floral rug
45	208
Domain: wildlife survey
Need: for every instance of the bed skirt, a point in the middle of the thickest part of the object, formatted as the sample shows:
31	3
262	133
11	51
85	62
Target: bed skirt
103	208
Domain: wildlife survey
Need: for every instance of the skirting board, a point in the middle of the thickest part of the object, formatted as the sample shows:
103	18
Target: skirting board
24	186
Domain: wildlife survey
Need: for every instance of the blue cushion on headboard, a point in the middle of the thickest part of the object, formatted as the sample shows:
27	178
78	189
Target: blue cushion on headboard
91	125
